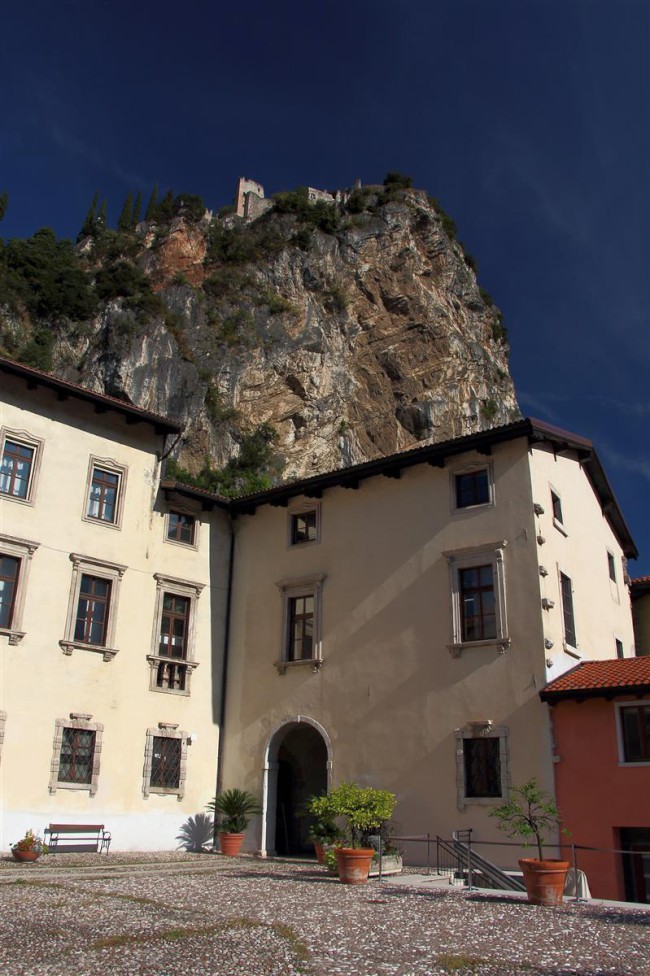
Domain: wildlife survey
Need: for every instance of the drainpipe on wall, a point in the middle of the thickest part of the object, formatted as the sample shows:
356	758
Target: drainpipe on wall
224	678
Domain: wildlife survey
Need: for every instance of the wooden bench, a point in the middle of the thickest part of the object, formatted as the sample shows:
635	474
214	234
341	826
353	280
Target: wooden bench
77	838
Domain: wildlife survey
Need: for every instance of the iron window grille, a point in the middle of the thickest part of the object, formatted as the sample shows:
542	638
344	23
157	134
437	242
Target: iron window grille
166	763
482	767
77	755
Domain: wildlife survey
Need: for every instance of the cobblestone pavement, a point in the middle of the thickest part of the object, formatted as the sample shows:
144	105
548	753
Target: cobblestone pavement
201	915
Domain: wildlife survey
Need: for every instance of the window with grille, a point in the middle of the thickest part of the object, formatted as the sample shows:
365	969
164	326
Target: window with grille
9	570
478	609
92	610
482	767
166	763
77	756
566	590
181	528
16	469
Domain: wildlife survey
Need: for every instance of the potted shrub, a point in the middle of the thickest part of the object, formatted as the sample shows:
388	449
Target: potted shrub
29	848
234	809
530	813
364	809
323	830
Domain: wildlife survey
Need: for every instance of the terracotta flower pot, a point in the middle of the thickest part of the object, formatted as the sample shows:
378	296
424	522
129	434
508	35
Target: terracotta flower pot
354	864
25	855
320	852
544	880
230	844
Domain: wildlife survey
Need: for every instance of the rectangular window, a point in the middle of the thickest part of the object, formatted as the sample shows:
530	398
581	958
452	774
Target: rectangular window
482	767
300	646
103	495
611	567
9	569
556	505
166	763
619	648
77	755
566	590
304	527
472	488
180	528
16	469
172	652
635	727
477	602
92	610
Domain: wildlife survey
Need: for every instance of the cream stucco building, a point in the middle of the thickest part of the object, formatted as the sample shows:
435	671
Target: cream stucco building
390	623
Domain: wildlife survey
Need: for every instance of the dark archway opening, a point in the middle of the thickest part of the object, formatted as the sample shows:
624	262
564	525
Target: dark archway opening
302	771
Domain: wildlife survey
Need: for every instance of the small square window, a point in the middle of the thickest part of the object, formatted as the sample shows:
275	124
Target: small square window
472	488
181	528
304	526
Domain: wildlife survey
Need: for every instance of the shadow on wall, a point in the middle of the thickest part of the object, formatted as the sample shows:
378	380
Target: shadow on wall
196	833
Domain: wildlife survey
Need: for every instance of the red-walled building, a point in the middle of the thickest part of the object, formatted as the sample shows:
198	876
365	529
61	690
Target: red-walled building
601	724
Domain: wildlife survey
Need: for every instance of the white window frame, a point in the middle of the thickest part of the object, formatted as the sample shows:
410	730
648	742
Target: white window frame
25	439
303	509
77	720
618	707
23	550
492	553
113	572
111	466
192	591
559	525
164	730
474	467
477	730
290	588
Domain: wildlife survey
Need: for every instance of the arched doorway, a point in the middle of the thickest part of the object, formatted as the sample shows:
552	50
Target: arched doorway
298	765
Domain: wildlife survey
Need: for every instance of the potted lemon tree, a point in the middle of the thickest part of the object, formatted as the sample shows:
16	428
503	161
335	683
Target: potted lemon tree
531	814
363	810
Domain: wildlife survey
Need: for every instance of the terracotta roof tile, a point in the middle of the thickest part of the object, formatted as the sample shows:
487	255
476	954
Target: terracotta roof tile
593	678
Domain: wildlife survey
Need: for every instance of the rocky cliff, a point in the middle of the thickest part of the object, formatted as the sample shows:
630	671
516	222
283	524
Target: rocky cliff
354	329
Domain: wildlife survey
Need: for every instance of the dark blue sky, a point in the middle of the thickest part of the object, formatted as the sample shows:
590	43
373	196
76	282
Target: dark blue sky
529	119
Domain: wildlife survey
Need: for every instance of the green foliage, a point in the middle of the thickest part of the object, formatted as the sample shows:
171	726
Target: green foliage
319	215
89	226
302	238
232	245
38	350
127	281
448	223
359	200
394	180
226	211
468	258
489	409
217	412
190	206
4	202
277	303
323	828
337	299
237	327
152	206
125	220
137	210
529	812
44	275
234	807
363	808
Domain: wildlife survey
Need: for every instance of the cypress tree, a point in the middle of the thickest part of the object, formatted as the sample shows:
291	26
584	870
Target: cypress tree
151	212
89	225
166	208
125	220
4	200
137	210
100	222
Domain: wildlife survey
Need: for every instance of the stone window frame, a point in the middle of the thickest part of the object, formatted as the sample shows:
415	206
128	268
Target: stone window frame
476	730
192	591
111	466
37	444
302	509
492	553
113	572
164	730
77	720
304	586
471	468
183	510
23	550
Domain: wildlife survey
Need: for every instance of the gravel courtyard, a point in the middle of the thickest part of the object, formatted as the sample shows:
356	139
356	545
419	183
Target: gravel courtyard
201	915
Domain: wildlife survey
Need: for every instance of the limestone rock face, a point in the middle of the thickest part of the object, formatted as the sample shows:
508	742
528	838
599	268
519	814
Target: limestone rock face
352	344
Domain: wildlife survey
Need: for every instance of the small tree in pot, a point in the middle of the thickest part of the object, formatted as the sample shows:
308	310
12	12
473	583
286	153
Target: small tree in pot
323	830
364	809
234	809
531	813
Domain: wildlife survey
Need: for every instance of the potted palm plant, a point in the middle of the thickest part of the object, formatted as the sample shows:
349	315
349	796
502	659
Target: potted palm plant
363	809
234	808
531	814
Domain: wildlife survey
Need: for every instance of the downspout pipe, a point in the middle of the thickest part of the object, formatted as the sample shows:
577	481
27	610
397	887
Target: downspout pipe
224	678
